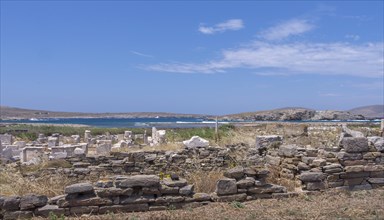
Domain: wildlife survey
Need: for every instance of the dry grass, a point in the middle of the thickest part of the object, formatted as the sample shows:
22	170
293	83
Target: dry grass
330	205
204	181
12	182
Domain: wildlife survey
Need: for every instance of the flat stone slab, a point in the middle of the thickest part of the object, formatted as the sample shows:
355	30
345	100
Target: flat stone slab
79	188
140	180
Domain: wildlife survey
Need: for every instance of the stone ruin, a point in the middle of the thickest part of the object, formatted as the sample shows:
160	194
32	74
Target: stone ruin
351	162
57	146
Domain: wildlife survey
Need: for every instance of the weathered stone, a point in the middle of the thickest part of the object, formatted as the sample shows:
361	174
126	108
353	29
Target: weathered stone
158	208
79	188
376	180
226	186
229	198
378	142
46	211
151	190
196	142
186	190
288	150
244	183
140	180
335	184
18	215
269	188
110	192
32	201
169	190
303	166
373	168
353	181
308	160
124	208
333	168
354	169
235	173
312	176
137	199
355	144
315	186
174	183
319	162
53	200
79	210
349	156
263	143
11	203
199	197
84	201
354	175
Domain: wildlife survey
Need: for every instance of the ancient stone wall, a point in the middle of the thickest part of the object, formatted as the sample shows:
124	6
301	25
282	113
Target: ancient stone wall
140	193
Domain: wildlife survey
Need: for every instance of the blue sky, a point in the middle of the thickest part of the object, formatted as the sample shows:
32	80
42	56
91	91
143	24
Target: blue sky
191	57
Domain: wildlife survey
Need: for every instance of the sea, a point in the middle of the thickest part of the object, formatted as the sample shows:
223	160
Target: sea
159	122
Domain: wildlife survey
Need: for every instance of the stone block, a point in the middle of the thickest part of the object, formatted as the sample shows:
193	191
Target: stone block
245	183
11	203
235	173
355	144
353	181
77	188
140	180
287	150
174	183
186	190
376	180
18	215
229	198
32	201
137	199
312	176
269	188
315	186
226	186
200	197
46	211
354	169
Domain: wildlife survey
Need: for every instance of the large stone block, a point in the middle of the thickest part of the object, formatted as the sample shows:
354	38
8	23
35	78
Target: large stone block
32	201
140	180
288	150
355	144
235	173
378	142
11	203
312	176
226	186
79	188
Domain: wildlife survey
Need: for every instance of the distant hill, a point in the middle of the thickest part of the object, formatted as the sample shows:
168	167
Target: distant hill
19	113
294	114
371	111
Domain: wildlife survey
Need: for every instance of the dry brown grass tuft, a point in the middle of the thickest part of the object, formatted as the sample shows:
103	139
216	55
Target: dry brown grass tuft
12	182
204	181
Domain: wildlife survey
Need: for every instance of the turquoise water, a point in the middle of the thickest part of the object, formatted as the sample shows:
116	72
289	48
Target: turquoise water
125	122
166	122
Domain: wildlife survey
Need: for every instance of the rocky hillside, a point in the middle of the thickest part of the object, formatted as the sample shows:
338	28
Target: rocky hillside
294	114
371	111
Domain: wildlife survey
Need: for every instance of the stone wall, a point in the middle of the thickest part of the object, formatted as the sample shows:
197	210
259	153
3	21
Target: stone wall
357	163
140	193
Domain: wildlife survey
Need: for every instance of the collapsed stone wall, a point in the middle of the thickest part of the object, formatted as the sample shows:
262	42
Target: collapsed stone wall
141	193
357	163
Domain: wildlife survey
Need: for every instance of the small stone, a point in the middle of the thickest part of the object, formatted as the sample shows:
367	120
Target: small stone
288	150
235	173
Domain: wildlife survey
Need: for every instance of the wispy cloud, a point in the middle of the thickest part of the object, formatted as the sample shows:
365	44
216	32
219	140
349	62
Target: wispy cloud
141	54
352	36
364	60
286	29
229	25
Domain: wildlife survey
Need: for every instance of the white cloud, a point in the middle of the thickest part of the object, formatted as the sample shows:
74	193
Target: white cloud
141	54
286	29
365	60
229	25
352	36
